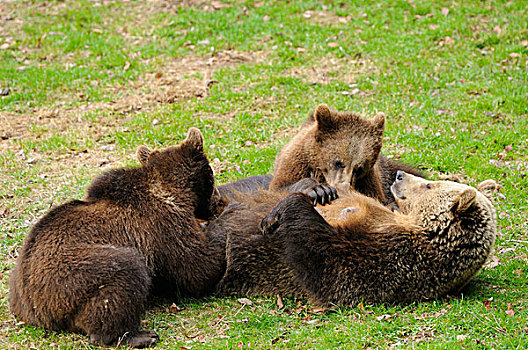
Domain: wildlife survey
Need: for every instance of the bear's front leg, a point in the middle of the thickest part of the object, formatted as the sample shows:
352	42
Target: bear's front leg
293	207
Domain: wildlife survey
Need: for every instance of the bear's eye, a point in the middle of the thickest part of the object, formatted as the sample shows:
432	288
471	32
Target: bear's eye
338	164
428	186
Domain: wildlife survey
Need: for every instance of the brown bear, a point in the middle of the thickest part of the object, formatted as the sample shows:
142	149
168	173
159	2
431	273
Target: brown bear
238	190
89	265
365	251
335	148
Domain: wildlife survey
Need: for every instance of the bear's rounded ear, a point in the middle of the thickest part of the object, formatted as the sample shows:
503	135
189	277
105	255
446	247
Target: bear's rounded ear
487	188
143	154
379	122
465	200
195	137
323	117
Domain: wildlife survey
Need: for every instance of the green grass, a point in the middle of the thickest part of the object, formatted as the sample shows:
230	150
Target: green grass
454	87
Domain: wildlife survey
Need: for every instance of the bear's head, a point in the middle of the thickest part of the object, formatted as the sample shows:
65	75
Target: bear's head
184	172
450	210
346	145
459	225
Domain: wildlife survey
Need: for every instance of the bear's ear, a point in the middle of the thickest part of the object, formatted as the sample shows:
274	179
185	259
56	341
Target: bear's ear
143	154
379	122
465	200
195	137
487	188
323	117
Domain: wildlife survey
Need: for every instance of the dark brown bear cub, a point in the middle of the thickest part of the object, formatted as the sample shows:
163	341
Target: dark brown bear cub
339	148
89	265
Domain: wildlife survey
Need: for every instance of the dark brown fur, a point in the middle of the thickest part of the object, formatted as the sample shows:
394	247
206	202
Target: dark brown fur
441	240
337	148
89	265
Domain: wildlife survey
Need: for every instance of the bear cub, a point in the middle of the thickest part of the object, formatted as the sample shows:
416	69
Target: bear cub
339	148
89	265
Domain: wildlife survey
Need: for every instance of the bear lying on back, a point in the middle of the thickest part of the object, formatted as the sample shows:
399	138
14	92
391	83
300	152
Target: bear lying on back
339	148
366	252
89	265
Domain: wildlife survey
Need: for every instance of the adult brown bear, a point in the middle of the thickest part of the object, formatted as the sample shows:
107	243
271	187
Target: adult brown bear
363	251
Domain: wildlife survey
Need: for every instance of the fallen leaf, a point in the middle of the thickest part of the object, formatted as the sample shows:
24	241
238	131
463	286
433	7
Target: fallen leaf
333	44
445	11
317	310
448	40
487	303
127	65
433	26
506	250
218	5
245	301
280	304
4	46
174	308
509	310
461	337
240	345
508	148
524	43
515	55
266	18
493	263
497	29
383	317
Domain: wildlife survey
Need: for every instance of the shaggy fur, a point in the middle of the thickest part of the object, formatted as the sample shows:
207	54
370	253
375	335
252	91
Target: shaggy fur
339	148
89	265
364	251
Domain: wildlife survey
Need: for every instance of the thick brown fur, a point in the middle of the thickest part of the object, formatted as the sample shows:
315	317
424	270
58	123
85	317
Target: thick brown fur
335	148
89	265
368	253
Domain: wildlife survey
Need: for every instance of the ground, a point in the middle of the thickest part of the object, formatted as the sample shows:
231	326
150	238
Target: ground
82	84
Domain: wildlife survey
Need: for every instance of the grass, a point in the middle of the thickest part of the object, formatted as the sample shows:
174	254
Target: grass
90	81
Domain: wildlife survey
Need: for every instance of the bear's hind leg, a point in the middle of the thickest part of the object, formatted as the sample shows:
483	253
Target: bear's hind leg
112	311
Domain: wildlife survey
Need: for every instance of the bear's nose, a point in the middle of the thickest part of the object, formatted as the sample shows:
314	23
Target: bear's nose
399	175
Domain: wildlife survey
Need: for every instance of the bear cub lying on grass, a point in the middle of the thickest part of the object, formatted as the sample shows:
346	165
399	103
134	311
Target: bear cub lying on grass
89	265
363	251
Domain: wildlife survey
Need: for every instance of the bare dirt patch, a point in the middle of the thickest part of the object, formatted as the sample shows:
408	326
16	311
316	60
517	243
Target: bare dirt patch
325	17
177	79
331	69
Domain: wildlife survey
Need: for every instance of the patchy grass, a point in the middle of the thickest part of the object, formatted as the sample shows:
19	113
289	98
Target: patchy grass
85	83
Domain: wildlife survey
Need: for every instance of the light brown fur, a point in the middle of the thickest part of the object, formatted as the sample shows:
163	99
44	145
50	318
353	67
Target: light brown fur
339	148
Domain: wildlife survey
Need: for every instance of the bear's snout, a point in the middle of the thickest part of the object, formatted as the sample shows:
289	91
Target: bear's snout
397	186
399	176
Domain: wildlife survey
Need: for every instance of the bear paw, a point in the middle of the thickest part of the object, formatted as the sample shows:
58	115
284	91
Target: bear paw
322	194
287	209
139	340
270	223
